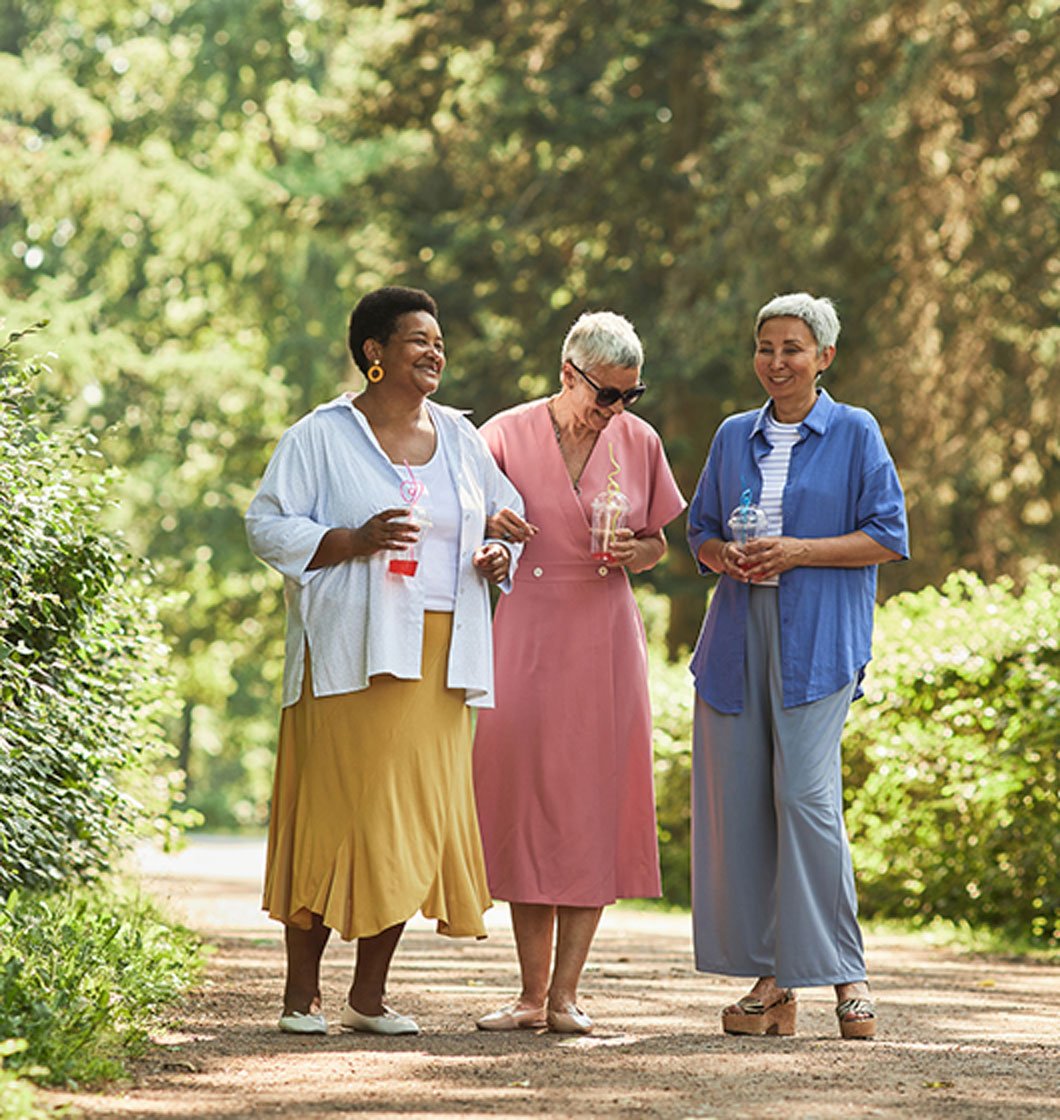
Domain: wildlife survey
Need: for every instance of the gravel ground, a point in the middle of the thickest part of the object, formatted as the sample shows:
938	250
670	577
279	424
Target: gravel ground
961	1036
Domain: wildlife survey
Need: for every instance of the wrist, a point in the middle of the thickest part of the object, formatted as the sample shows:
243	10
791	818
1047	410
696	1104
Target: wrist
646	553
714	557
353	544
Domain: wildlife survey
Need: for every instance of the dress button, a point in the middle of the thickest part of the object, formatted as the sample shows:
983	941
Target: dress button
539	571
602	570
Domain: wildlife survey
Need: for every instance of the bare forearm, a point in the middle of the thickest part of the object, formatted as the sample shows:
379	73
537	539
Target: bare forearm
336	546
768	557
852	550
710	554
648	551
389	529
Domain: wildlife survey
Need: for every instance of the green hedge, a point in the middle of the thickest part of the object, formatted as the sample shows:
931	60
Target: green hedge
950	759
80	655
83	970
83	974
671	700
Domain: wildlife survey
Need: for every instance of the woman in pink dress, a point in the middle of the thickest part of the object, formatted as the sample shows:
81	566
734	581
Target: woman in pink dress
563	764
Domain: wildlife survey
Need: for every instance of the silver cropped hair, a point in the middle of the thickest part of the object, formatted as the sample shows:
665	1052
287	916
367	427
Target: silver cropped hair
818	314
603	338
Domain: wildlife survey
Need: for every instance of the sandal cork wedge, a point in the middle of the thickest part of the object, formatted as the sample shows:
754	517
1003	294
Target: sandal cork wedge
857	1018
751	1016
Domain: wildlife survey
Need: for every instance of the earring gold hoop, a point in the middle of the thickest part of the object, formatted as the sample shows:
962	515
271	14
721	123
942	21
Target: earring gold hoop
375	373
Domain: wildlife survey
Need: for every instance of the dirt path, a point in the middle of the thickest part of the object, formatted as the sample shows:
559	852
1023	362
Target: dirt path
992	1049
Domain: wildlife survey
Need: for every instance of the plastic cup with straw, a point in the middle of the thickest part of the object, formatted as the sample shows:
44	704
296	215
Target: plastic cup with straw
610	511
748	521
411	491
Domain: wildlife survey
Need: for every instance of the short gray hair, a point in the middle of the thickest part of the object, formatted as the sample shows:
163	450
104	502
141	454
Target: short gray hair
818	314
603	338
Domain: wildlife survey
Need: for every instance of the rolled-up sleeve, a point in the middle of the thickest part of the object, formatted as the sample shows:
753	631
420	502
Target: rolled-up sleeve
880	509
280	528
704	513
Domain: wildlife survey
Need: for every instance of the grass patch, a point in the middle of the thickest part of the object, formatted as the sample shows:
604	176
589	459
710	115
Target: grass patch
962	937
84	974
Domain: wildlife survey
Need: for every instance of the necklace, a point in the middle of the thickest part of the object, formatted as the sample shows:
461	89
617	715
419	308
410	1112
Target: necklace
573	459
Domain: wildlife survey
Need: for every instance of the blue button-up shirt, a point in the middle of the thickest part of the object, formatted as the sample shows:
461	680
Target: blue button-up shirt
841	479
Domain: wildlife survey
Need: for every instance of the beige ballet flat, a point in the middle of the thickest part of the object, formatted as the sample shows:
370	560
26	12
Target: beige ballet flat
571	1020
390	1022
513	1018
301	1022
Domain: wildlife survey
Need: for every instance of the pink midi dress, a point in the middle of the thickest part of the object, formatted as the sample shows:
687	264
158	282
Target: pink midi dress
563	763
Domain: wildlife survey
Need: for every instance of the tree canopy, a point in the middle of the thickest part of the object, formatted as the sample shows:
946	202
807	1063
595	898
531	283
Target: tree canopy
194	193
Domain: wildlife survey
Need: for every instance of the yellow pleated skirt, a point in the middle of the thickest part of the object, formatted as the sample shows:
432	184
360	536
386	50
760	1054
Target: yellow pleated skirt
373	809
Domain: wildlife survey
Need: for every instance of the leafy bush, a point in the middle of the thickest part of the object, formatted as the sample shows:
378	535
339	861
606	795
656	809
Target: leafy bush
82	975
80	656
80	686
950	759
18	1098
671	700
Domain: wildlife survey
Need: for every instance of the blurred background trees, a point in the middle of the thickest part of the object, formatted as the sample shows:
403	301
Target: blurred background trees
194	193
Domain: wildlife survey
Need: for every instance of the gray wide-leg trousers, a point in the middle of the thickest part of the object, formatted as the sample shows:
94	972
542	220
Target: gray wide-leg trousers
772	882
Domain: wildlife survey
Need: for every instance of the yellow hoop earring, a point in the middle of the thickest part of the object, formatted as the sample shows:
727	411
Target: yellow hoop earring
375	373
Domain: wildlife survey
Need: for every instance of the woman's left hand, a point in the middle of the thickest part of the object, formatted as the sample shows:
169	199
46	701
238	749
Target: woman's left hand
507	525
638	554
623	550
493	561
767	557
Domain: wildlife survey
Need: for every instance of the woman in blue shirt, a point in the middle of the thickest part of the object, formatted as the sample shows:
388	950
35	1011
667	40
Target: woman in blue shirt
781	654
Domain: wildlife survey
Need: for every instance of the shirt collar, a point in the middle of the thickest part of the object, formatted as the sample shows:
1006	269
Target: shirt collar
817	419
345	400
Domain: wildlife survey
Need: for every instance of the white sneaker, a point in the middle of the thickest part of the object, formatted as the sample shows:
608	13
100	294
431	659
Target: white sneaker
390	1022
299	1022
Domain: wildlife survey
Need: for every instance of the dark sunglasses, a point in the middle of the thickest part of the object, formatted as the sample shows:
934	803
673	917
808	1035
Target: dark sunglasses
608	395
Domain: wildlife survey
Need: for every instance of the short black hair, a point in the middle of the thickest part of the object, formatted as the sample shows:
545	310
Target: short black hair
376	316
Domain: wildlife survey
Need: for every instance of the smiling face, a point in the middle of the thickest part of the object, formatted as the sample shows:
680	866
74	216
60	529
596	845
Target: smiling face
413	356
787	362
581	396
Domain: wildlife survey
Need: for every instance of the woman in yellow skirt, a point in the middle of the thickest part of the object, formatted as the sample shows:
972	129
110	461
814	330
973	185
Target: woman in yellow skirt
374	508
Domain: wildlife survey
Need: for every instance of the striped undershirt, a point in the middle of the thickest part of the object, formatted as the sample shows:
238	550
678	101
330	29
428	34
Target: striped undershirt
774	467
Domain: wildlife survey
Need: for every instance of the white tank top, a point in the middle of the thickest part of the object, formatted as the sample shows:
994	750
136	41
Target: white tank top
439	554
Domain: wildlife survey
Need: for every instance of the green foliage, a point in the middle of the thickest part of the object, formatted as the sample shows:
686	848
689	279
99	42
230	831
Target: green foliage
671	703
83	976
671	700
195	193
953	796
80	655
18	1098
950	760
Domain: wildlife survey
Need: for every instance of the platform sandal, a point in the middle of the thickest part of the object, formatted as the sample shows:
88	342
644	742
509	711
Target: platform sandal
751	1016
857	1018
